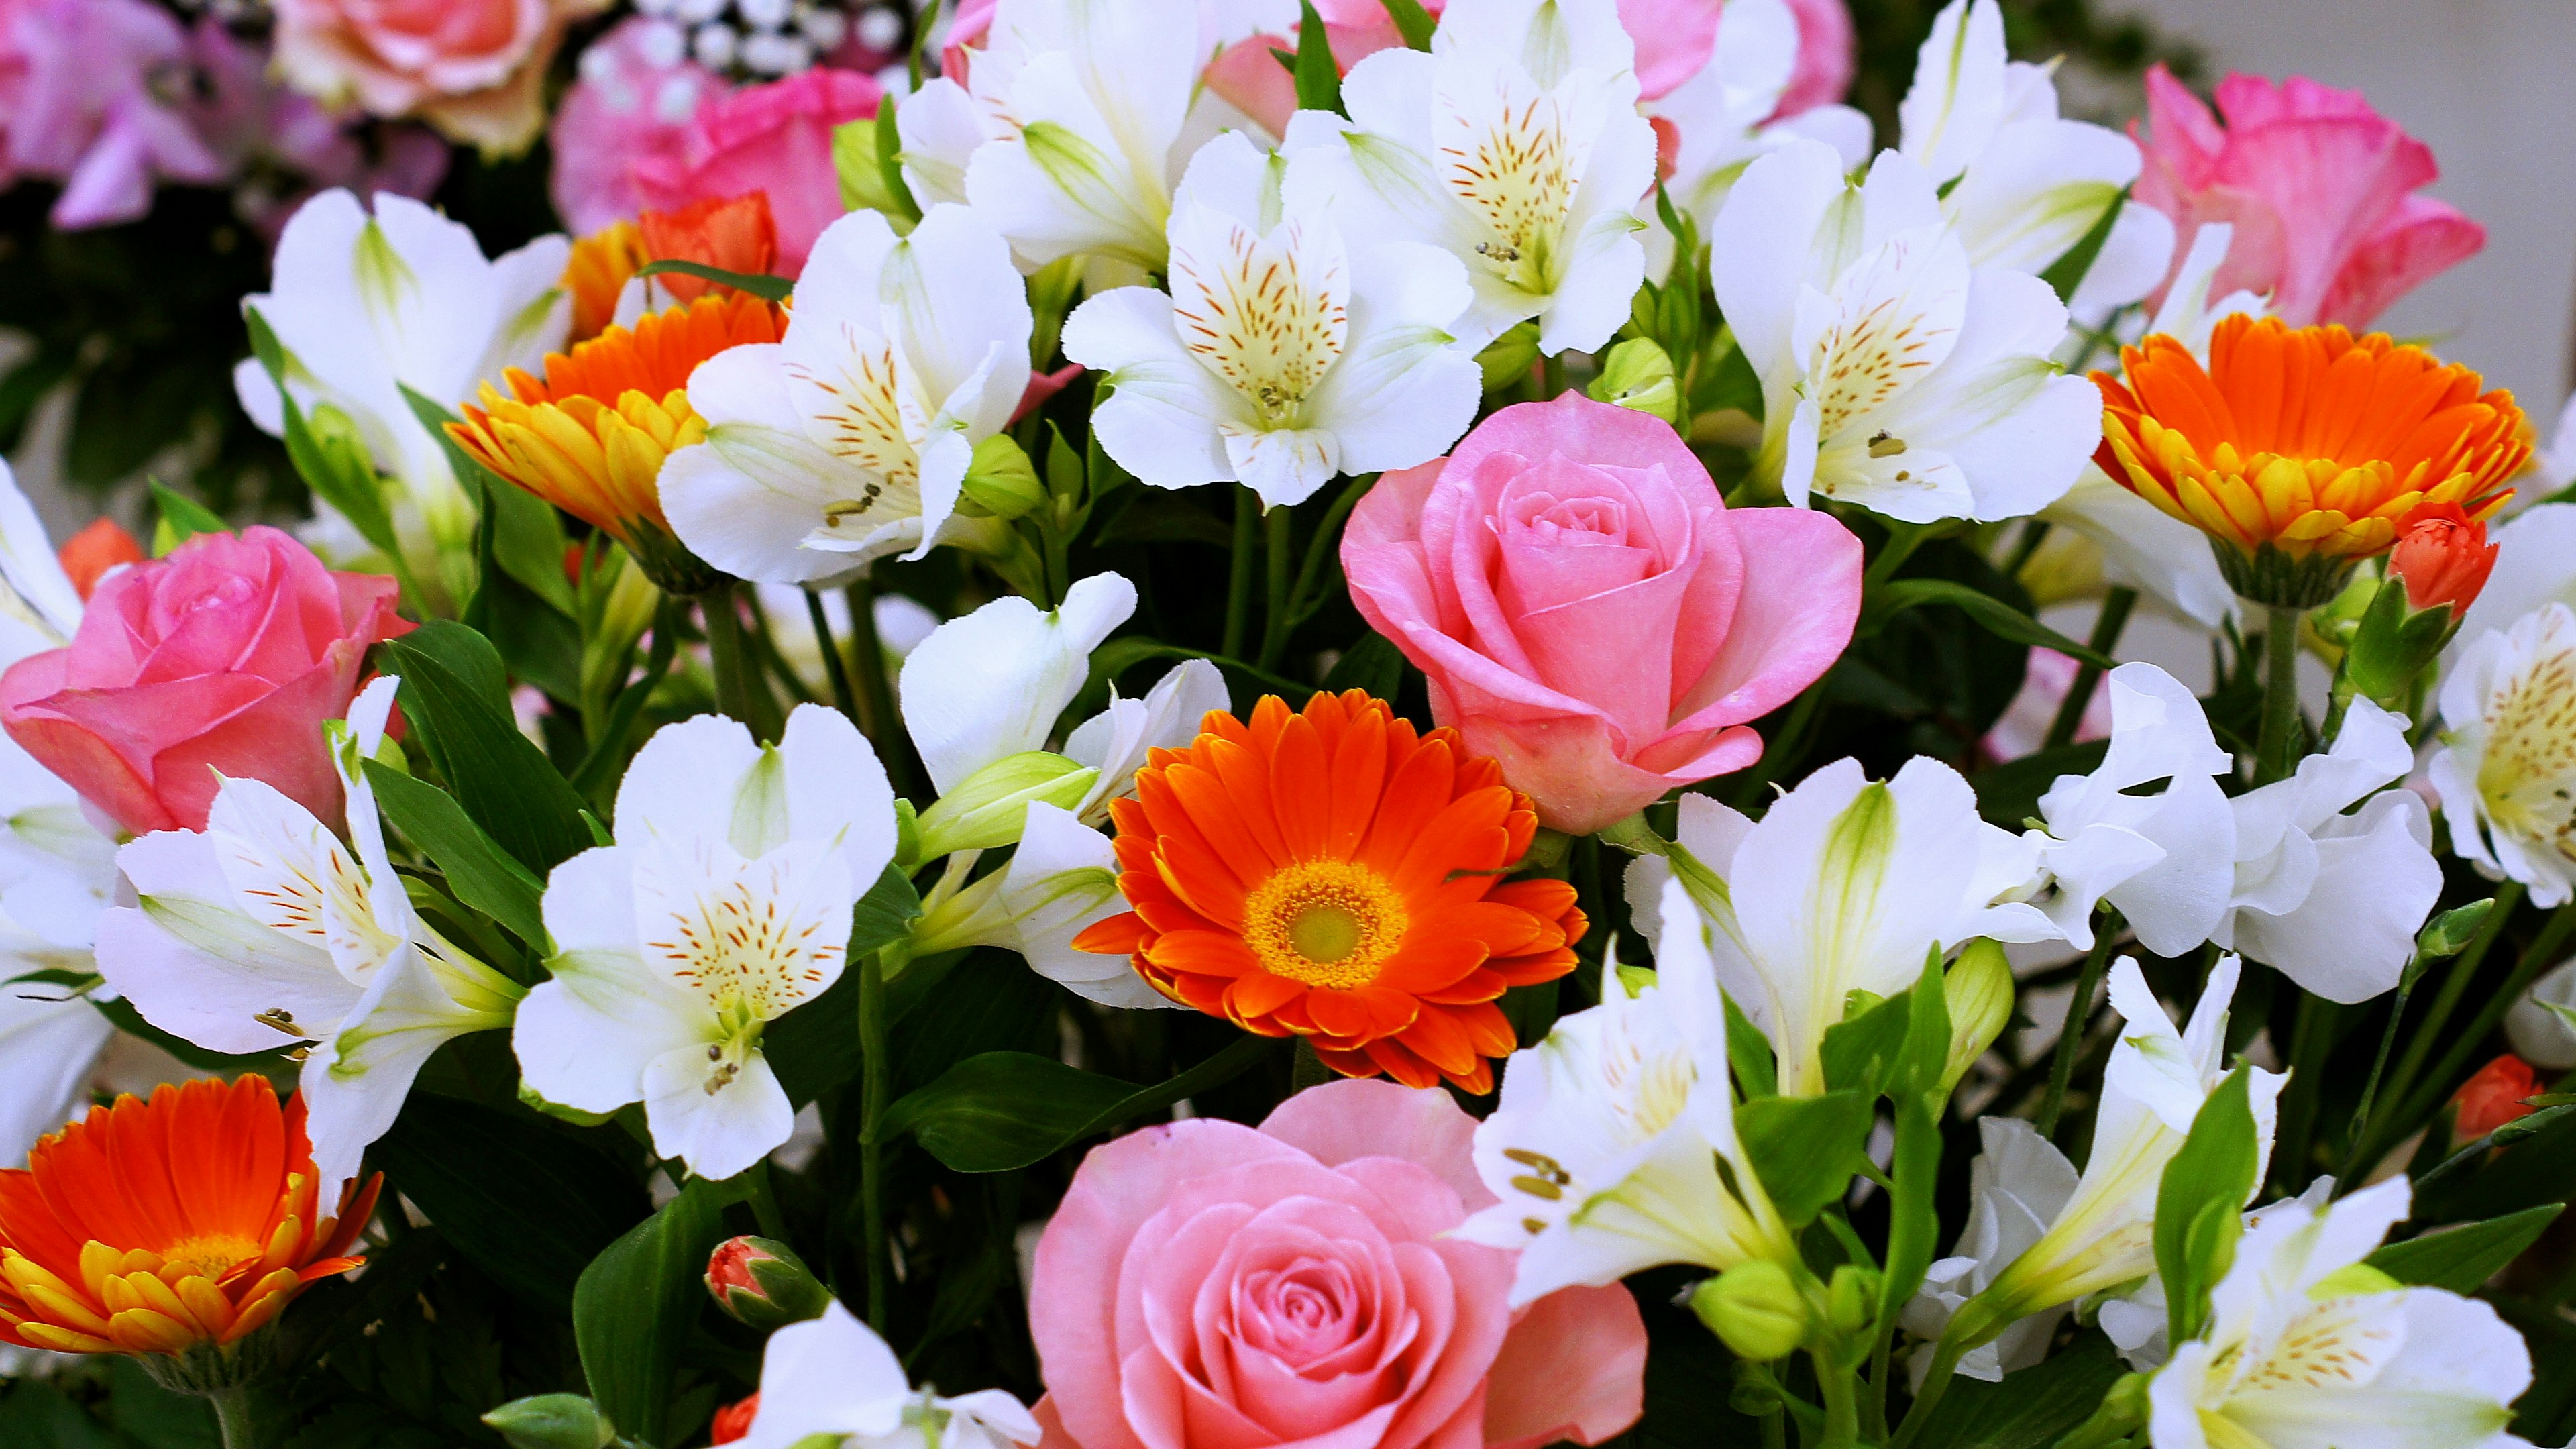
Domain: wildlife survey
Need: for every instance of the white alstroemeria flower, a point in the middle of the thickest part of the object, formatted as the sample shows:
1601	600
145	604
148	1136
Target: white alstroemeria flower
1515	145
1117	740
368	304
39	608
849	438
723	905
1288	351
1847	884
1067	134
2535	565
2508	759
989	685
1895	373
263	930
831	1378
2307	1346
2139	1322
50	1038
1062	879
2024	185
2155	1085
1722	115
1605	1149
2017	1186
2104	843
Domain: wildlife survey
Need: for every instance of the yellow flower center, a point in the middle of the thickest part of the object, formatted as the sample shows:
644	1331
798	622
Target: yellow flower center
1327	923
210	1255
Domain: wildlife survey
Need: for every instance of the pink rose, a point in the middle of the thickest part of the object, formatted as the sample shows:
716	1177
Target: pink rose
1208	1286
226	656
2319	187
774	138
1590	612
475	69
636	95
1828	55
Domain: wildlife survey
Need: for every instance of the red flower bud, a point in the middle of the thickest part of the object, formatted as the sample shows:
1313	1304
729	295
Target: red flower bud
94	550
2443	555
763	1283
2494	1097
733	1421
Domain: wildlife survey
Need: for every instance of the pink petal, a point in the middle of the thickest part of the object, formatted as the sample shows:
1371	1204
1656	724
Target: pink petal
1341	1122
1573	1368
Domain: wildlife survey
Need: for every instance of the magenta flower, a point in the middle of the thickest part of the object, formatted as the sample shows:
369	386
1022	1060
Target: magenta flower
634	101
774	138
89	87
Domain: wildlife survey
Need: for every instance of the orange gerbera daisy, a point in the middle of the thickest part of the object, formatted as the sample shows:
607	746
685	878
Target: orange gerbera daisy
590	438
2300	450
1329	874
167	1226
729	233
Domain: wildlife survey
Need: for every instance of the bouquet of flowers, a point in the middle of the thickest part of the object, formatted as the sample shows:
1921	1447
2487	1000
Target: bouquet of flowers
1208	724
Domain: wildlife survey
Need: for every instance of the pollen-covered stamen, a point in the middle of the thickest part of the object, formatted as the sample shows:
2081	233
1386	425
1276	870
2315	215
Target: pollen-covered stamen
862	420
1510	159
2528	775
753	937
1325	923
1269	315
1890	325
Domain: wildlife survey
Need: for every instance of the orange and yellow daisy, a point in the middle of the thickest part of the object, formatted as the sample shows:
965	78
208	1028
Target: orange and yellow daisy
590	439
729	233
1330	874
2301	450
165	1226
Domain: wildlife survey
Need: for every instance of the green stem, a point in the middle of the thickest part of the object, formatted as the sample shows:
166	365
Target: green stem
2276	752
2464	967
835	668
2079	1016
232	1417
1278	526
1902	540
1325	543
1775	1428
1875	1405
1238	579
874	1082
724	646
876	714
2370	1089
1842	1405
2026	547
2107	625
1552	375
1784	747
2310	1039
2539	956
764	1203
1945	1366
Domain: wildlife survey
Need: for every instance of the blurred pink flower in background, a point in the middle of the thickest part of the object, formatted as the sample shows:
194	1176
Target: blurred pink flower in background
88	89
774	138
2320	188
636	94
473	68
1828	56
241	112
2023	726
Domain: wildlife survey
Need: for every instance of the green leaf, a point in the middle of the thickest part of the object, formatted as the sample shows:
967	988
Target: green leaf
2008	794
1412	22
455	695
1372	664
1005	1110
766	288
1748	1051
1864	1053
2067	273
330	461
884	914
1927	1032
2030	1409
183	518
889	154
635	1306
479	872
1997	617
2200	1201
1806	1149
478	1173
1914	1223
1319	81
2462	1259
527	534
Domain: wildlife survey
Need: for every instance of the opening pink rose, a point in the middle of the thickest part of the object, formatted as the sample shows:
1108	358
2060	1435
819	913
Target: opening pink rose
774	138
226	656
1208	1286
473	68
1589	611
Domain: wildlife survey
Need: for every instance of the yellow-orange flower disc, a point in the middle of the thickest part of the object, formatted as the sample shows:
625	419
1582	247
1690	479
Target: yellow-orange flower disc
591	438
160	1226
2307	444
1332	875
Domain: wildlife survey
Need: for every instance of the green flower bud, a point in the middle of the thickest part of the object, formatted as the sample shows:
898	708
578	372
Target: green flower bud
989	807
1755	1308
1001	480
1979	990
761	1282
1851	1299
552	1421
1506	360
1638	374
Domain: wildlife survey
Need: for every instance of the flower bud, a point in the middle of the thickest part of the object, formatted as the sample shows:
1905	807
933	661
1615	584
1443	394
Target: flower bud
2443	555
1755	1308
1851	1299
1506	360
1979	991
1638	374
1001	480
552	1421
733	1421
990	807
2494	1097
761	1282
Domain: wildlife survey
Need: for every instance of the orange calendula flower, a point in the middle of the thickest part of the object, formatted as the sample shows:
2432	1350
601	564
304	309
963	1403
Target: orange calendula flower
591	437
2300	450
597	271
167	1226
1332	875
729	233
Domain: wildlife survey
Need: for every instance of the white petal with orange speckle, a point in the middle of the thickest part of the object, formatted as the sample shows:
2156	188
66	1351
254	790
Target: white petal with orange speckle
2507	767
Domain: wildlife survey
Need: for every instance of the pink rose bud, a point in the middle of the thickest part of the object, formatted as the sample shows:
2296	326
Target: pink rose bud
762	1282
1588	610
2443	555
226	657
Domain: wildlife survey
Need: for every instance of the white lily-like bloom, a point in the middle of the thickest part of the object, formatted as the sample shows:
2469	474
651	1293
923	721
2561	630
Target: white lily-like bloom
1722	115
1515	145
724	904
2139	1321
1846	884
832	1379
1896	373
1068	132
2023	184
849	438
264	930
2507	764
1605	1150
2535	565
1062	879
989	685
1118	740
2155	1085
2307	1346
1288	351
366	304
50	1038
2018	1185
2101	842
